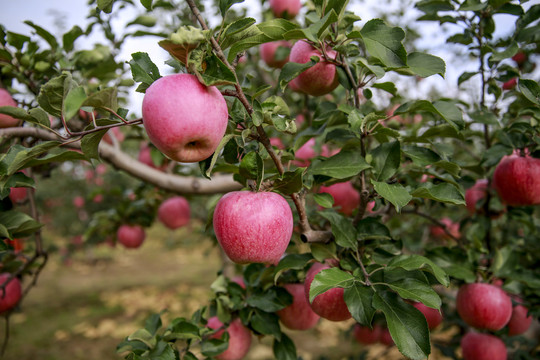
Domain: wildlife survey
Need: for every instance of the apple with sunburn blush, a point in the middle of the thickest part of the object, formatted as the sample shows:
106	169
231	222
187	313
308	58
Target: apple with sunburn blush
11	294
239	338
174	212
183	118
6	100
131	236
476	346
270	53
253	227
517	180
298	315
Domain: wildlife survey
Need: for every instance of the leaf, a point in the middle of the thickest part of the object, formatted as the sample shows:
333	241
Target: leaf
18	156
252	167
217	152
421	156
358	298
389	87
18	224
266	323
51	95
270	300
69	38
213	347
57	155
224	5
416	290
105	5
407	325
328	279
530	89
103	99
386	160
143	70
343	165
324	199
44	34
384	43
342	229
425	65
291	262
290	182
443	192
90	142
447	110
291	70
415	262
217	73
510	51
284	349
73	102
35	116
238	25
147	4
143	336
394	193
371	228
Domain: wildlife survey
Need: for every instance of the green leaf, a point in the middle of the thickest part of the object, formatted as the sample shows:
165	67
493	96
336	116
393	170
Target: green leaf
447	110
147	4
103	99
143	336
415	262
90	142
143	70
291	262
394	193
384	43
238	25
416	290
44	34
328	279
291	70
252	167
358	298
52	94
217	73
510	51
344	164
73	102
443	192
371	228
421	156
290	182
105	5
324	199
18	156
389	87
270	300
465	76
224	5
57	155
217	152
35	116
407	325
266	323
284	349
530	89
213	347
342	229
18	224
386	160
425	65
454	261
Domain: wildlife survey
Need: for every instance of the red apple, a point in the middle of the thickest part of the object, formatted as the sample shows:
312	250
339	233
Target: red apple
433	316
477	346
174	212
484	306
11	294
145	156
519	322
275	141
476	193
239	338
510	84
365	335
520	57
300	119
87	116
239	280
285	8
330	304
18	194
307	152
101	169
131	236
78	201
16	244
268	53
293	84
253	227
98	198
183	118
298	315
346	198
517	180
386	338
6	100
439	233
117	133
320	79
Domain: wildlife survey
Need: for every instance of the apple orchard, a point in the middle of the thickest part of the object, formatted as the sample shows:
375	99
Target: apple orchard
294	144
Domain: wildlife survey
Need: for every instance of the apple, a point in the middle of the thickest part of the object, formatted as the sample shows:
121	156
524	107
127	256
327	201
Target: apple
117	133
275	141
293	84
98	198
510	84
484	306
386	338
239	280
307	152
346	198
365	335
330	304
476	346
520	57
78	202
268	53
101	169
300	119
174	212
433	316
87	116
517	180
476	193
239	338
439	233
16	244
298	315
145	156
18	194
131	236
183	118
6	100
519	322
253	227
320	79
285	8
11	294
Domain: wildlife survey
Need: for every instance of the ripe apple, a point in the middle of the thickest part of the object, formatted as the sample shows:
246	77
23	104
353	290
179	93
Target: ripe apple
253	227
78	202
145	156
510	84
285	8
320	79
386	338
433	316
18	194
293	84
183	118
275	141
98	198
365	335
268	53
10	296
174	212
346	198
239	338
300	119
307	152
519	322
484	306
476	193
477	346
330	304
16	244
239	280
517	180
298	315
520	57
131	236
439	233
87	116
117	133
6	100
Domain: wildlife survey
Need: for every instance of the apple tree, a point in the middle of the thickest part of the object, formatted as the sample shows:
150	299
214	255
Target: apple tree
294	138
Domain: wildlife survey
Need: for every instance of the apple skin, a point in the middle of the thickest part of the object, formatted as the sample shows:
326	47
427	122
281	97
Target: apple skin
131	236
285	8
484	306
345	196
517	180
475	193
275	141
183	118
253	227
510	84
318	80
520	58
10	297
239	280
307	152
433	316
174	212
239	338
386	338
365	335
519	322
117	133
18	194
330	304
16	244
78	202
268	53
6	100
145	157
476	346
439	233
298	315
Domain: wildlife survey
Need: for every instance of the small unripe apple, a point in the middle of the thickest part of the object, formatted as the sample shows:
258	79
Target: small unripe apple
484	306
452	227
6	100
365	335
330	304
320	79
476	346
285	8
510	84
239	338
18	194
476	193
433	316
346	198
183	118
131	236
519	322
11	295
298	315
174	212
268	53
253	227
517	180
